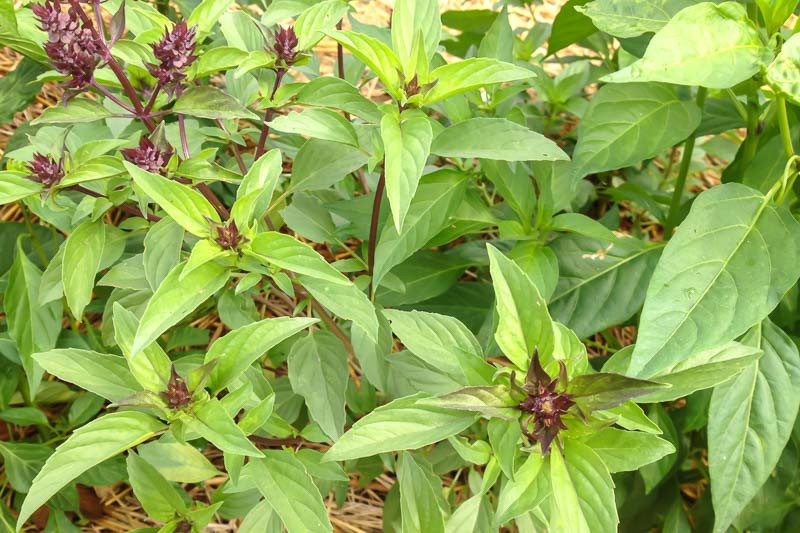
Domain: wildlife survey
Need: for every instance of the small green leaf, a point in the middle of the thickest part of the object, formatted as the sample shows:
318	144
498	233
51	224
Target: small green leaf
470	74
16	186
103	374
418	496
79	110
314	21
288	253
345	301
493	401
622	451
604	390
784	72
83	252
319	123
212	422
523	493
376	55
159	498
205	101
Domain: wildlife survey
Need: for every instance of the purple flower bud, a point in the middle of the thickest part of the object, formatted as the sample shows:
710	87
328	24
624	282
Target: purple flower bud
177	394
228	236
175	52
285	44
46	170
147	156
71	46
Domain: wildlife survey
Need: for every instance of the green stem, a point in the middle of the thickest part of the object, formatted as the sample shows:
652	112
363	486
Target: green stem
783	125
737	103
751	141
683	172
37	245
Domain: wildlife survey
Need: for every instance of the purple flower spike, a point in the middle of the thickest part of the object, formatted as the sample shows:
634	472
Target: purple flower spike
46	170
175	53
147	156
285	44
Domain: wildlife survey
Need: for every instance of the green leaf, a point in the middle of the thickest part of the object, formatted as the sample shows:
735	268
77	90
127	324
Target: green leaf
569	27
204	101
284	251
750	420
403	424
103	374
32	326
599	287
783	74
16	186
493	401
175	299
444	342
22	461
622	451
318	372
206	14
524	323
151	367
19	87
313	22
88	446
159	498
319	123
78	111
775	12
178	461
470	74
216	60
290	490
583	491
345	301
336	93
320	164
704	291
83	252
183	204
628	123
524	493
631	18
498	42
407	143
714	46
98	168
376	55
411	18
438	196
418	497
255	192
495	138
473	516
162	250
240	348
211	421
604	390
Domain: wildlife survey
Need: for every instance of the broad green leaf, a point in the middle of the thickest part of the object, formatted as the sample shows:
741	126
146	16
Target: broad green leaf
406	142
83	252
411	18
16	186
704	291
183	204
79	110
32	326
216	60
255	192
19	87
206	14
784	72
240	348
98	168
204	101
318	371
162	250
437	198
159	498
418	497
622	451
599	286
88	446
103	374
290	490
444	342
603	390
284	251
309	218
376	55
345	301
524	323
211	421
470	74
775	12
569	26
631	18
336	93
714	46
630	122
320	164
495	138
493	401
750	420
498	42
178	461
473	516
403	424
319	123
524	493
22	461
317	19
583	491
151	366
504	436
175	299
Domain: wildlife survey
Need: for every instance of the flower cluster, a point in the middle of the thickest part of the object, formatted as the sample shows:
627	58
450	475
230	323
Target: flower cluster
285	46
228	236
147	156
175	53
72	45
177	394
545	405
46	170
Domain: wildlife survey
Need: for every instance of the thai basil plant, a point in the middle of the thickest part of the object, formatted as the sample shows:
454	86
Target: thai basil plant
540	278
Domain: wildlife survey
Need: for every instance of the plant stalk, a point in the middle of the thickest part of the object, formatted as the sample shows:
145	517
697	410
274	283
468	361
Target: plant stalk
373	226
262	140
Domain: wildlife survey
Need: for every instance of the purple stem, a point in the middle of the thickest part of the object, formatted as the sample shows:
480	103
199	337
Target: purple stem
100	26
105	92
182	128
